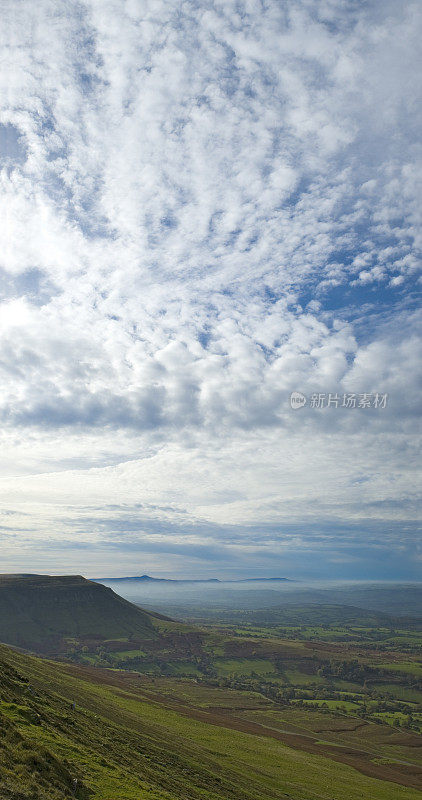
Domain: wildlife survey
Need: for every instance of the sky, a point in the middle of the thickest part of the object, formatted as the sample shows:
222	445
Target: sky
207	205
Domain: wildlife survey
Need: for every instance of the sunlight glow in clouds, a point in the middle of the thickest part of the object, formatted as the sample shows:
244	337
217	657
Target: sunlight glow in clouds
206	206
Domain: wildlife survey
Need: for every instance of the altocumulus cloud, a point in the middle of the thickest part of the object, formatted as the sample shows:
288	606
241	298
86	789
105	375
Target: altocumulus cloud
207	206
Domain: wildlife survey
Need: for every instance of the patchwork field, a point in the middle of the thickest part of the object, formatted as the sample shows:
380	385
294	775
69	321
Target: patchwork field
351	673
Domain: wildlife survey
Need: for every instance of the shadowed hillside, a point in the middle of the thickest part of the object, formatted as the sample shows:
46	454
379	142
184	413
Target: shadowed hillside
39	612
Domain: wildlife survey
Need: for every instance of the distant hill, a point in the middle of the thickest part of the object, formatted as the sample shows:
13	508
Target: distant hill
39	612
148	578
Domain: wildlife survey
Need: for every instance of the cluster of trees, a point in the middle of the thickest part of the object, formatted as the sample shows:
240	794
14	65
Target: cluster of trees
352	671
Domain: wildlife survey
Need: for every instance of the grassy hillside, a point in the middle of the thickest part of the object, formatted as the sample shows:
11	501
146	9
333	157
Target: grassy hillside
129	738
42	612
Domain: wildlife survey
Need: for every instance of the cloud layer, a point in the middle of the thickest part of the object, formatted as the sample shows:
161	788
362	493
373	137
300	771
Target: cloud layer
207	206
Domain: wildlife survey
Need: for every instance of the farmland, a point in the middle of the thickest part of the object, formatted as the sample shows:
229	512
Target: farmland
347	673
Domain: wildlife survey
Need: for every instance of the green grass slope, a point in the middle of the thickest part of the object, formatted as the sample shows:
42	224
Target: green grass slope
38	612
118	743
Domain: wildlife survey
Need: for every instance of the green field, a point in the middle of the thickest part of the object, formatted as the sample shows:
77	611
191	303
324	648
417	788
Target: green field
243	666
406	667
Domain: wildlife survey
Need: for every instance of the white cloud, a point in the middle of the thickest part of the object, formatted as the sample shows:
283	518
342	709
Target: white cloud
192	198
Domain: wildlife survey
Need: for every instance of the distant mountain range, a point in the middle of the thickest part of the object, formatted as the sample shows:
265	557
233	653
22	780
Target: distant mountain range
148	578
